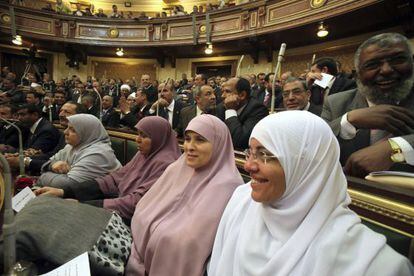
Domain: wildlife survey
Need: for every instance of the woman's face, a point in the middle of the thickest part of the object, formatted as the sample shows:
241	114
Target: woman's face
268	178
197	149
143	143
71	137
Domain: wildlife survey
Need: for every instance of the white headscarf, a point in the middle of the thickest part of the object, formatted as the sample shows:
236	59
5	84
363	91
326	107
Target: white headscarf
309	230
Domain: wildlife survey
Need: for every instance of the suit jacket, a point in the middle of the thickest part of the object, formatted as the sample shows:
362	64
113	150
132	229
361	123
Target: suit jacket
259	95
40	159
241	126
337	105
10	136
45	137
110	118
186	115
152	93
178	105
133	117
315	109
54	111
340	84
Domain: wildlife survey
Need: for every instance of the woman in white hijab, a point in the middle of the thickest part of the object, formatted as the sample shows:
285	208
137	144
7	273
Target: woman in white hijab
293	217
87	155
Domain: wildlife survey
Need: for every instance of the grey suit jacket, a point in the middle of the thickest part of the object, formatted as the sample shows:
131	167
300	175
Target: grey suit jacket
338	104
186	115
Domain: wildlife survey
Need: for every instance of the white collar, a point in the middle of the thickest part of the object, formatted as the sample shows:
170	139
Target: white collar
171	106
34	126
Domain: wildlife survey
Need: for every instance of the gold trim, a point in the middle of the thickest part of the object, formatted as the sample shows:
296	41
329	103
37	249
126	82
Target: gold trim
387	227
112	32
117	134
317	3
395	210
5	18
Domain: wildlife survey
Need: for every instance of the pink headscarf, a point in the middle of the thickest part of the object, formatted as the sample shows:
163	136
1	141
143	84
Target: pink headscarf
174	225
133	180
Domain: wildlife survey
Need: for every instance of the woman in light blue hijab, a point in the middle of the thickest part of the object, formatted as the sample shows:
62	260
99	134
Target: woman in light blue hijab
87	155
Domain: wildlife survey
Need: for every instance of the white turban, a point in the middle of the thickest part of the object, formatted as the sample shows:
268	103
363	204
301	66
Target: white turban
125	86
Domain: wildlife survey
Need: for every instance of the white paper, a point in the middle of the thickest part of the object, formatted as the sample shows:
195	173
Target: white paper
326	78
22	198
392	173
78	266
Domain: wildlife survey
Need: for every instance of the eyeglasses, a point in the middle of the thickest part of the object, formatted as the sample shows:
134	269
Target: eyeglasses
260	156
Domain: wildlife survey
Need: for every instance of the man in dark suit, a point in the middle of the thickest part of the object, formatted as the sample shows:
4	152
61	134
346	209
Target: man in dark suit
131	116
168	108
147	86
264	95
34	163
43	135
241	111
89	103
365	119
326	65
109	116
9	136
205	104
296	96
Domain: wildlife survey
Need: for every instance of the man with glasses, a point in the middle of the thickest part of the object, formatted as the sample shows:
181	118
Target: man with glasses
374	123
296	96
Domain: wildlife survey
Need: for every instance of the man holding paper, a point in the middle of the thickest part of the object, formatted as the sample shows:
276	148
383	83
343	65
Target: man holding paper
323	80
374	123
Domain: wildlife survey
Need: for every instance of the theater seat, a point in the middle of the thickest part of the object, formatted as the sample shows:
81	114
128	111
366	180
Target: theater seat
398	241
131	150
118	145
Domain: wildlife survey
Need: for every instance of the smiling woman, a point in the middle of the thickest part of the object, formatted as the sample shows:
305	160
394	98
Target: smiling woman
298	222
174	225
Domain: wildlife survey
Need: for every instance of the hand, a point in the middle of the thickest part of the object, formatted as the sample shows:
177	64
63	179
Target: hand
311	77
232	101
123	105
31	152
13	161
60	167
50	191
376	157
394	119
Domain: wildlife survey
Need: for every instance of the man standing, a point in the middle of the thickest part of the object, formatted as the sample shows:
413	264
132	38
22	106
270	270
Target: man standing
296	96
241	111
375	122
265	95
147	86
110	118
131	116
205	104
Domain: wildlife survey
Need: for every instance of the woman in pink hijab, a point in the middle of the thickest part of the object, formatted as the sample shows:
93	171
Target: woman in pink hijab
174	225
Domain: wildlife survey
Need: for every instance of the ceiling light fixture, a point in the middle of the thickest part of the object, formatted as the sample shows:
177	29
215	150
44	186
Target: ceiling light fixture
322	30
17	39
119	52
209	49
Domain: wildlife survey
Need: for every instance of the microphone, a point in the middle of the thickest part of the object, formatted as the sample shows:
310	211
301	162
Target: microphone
238	66
9	227
100	103
21	155
277	69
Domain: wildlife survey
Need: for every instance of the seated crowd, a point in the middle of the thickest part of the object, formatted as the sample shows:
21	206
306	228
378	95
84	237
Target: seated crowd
166	214
63	7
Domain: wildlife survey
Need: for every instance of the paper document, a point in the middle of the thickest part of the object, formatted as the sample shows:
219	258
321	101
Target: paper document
326	78
22	198
78	266
392	173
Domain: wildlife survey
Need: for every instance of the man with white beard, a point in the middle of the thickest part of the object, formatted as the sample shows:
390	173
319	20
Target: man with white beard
374	123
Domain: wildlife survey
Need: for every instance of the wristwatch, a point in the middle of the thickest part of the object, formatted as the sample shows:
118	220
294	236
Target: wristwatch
27	161
396	156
